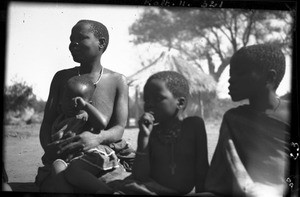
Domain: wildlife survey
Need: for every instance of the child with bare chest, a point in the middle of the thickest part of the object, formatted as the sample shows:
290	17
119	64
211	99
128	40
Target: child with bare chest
171	156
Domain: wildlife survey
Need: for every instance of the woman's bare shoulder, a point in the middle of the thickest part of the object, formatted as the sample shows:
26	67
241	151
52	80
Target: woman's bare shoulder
64	73
113	75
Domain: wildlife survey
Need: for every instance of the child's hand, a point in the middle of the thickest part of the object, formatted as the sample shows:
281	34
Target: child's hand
83	115
79	102
146	123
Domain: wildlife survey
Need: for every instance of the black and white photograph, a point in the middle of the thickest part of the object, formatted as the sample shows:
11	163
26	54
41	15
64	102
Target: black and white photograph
157	97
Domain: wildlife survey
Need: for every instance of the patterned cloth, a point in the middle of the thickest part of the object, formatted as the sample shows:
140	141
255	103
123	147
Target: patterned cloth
262	144
125	153
103	157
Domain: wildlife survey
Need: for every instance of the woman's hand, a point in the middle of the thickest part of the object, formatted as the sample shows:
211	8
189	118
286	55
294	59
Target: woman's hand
52	150
82	142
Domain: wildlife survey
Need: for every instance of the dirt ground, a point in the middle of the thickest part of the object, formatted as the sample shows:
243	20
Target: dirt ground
22	151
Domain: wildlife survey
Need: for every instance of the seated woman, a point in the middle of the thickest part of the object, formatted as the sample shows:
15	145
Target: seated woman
89	39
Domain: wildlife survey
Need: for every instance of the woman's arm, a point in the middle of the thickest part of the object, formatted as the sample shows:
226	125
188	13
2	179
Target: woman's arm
118	120
95	117
87	140
50	112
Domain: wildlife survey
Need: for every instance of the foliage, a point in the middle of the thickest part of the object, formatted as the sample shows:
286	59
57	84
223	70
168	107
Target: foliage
21	104
18	96
209	34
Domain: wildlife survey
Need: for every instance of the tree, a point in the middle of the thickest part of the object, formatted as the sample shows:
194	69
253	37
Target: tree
19	96
211	35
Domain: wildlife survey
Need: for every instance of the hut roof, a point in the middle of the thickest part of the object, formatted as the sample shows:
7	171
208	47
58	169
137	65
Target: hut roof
199	82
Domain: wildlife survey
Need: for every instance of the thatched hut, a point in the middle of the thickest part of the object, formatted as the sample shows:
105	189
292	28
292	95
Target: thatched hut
202	86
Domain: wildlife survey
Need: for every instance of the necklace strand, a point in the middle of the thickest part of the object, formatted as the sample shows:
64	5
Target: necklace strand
279	102
99	78
169	138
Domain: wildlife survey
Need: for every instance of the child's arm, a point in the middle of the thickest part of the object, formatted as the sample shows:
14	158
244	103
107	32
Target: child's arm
96	118
201	154
245	183
141	166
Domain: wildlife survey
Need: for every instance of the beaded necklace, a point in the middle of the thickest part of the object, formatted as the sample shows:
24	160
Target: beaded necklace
99	78
169	137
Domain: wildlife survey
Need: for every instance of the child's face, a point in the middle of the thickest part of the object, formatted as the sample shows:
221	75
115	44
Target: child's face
84	45
159	100
244	81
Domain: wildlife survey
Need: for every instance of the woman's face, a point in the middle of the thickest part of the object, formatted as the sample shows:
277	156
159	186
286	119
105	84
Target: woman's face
84	46
159	100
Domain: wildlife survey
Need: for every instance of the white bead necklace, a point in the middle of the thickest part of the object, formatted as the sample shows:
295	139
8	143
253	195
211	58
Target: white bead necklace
99	78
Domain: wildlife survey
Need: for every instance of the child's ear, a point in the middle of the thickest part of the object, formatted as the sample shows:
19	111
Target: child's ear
102	43
271	77
181	102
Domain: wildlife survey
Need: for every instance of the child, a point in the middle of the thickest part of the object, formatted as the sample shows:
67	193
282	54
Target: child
76	106
80	115
171	155
259	131
88	41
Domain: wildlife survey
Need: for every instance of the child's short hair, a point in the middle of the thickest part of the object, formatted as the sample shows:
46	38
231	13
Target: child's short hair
99	30
175	82
262	57
78	82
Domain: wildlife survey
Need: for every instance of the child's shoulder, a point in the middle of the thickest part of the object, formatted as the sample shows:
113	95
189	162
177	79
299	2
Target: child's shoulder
238	112
194	127
283	113
241	109
193	121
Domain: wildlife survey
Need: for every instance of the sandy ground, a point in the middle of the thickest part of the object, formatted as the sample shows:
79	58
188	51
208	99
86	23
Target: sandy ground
22	151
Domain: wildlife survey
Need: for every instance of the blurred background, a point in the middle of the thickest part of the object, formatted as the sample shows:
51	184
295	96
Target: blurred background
143	40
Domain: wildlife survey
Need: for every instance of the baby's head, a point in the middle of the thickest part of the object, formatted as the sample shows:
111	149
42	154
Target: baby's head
165	93
255	67
77	86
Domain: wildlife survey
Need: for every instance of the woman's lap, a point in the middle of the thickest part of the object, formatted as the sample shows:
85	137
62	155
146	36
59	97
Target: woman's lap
58	184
